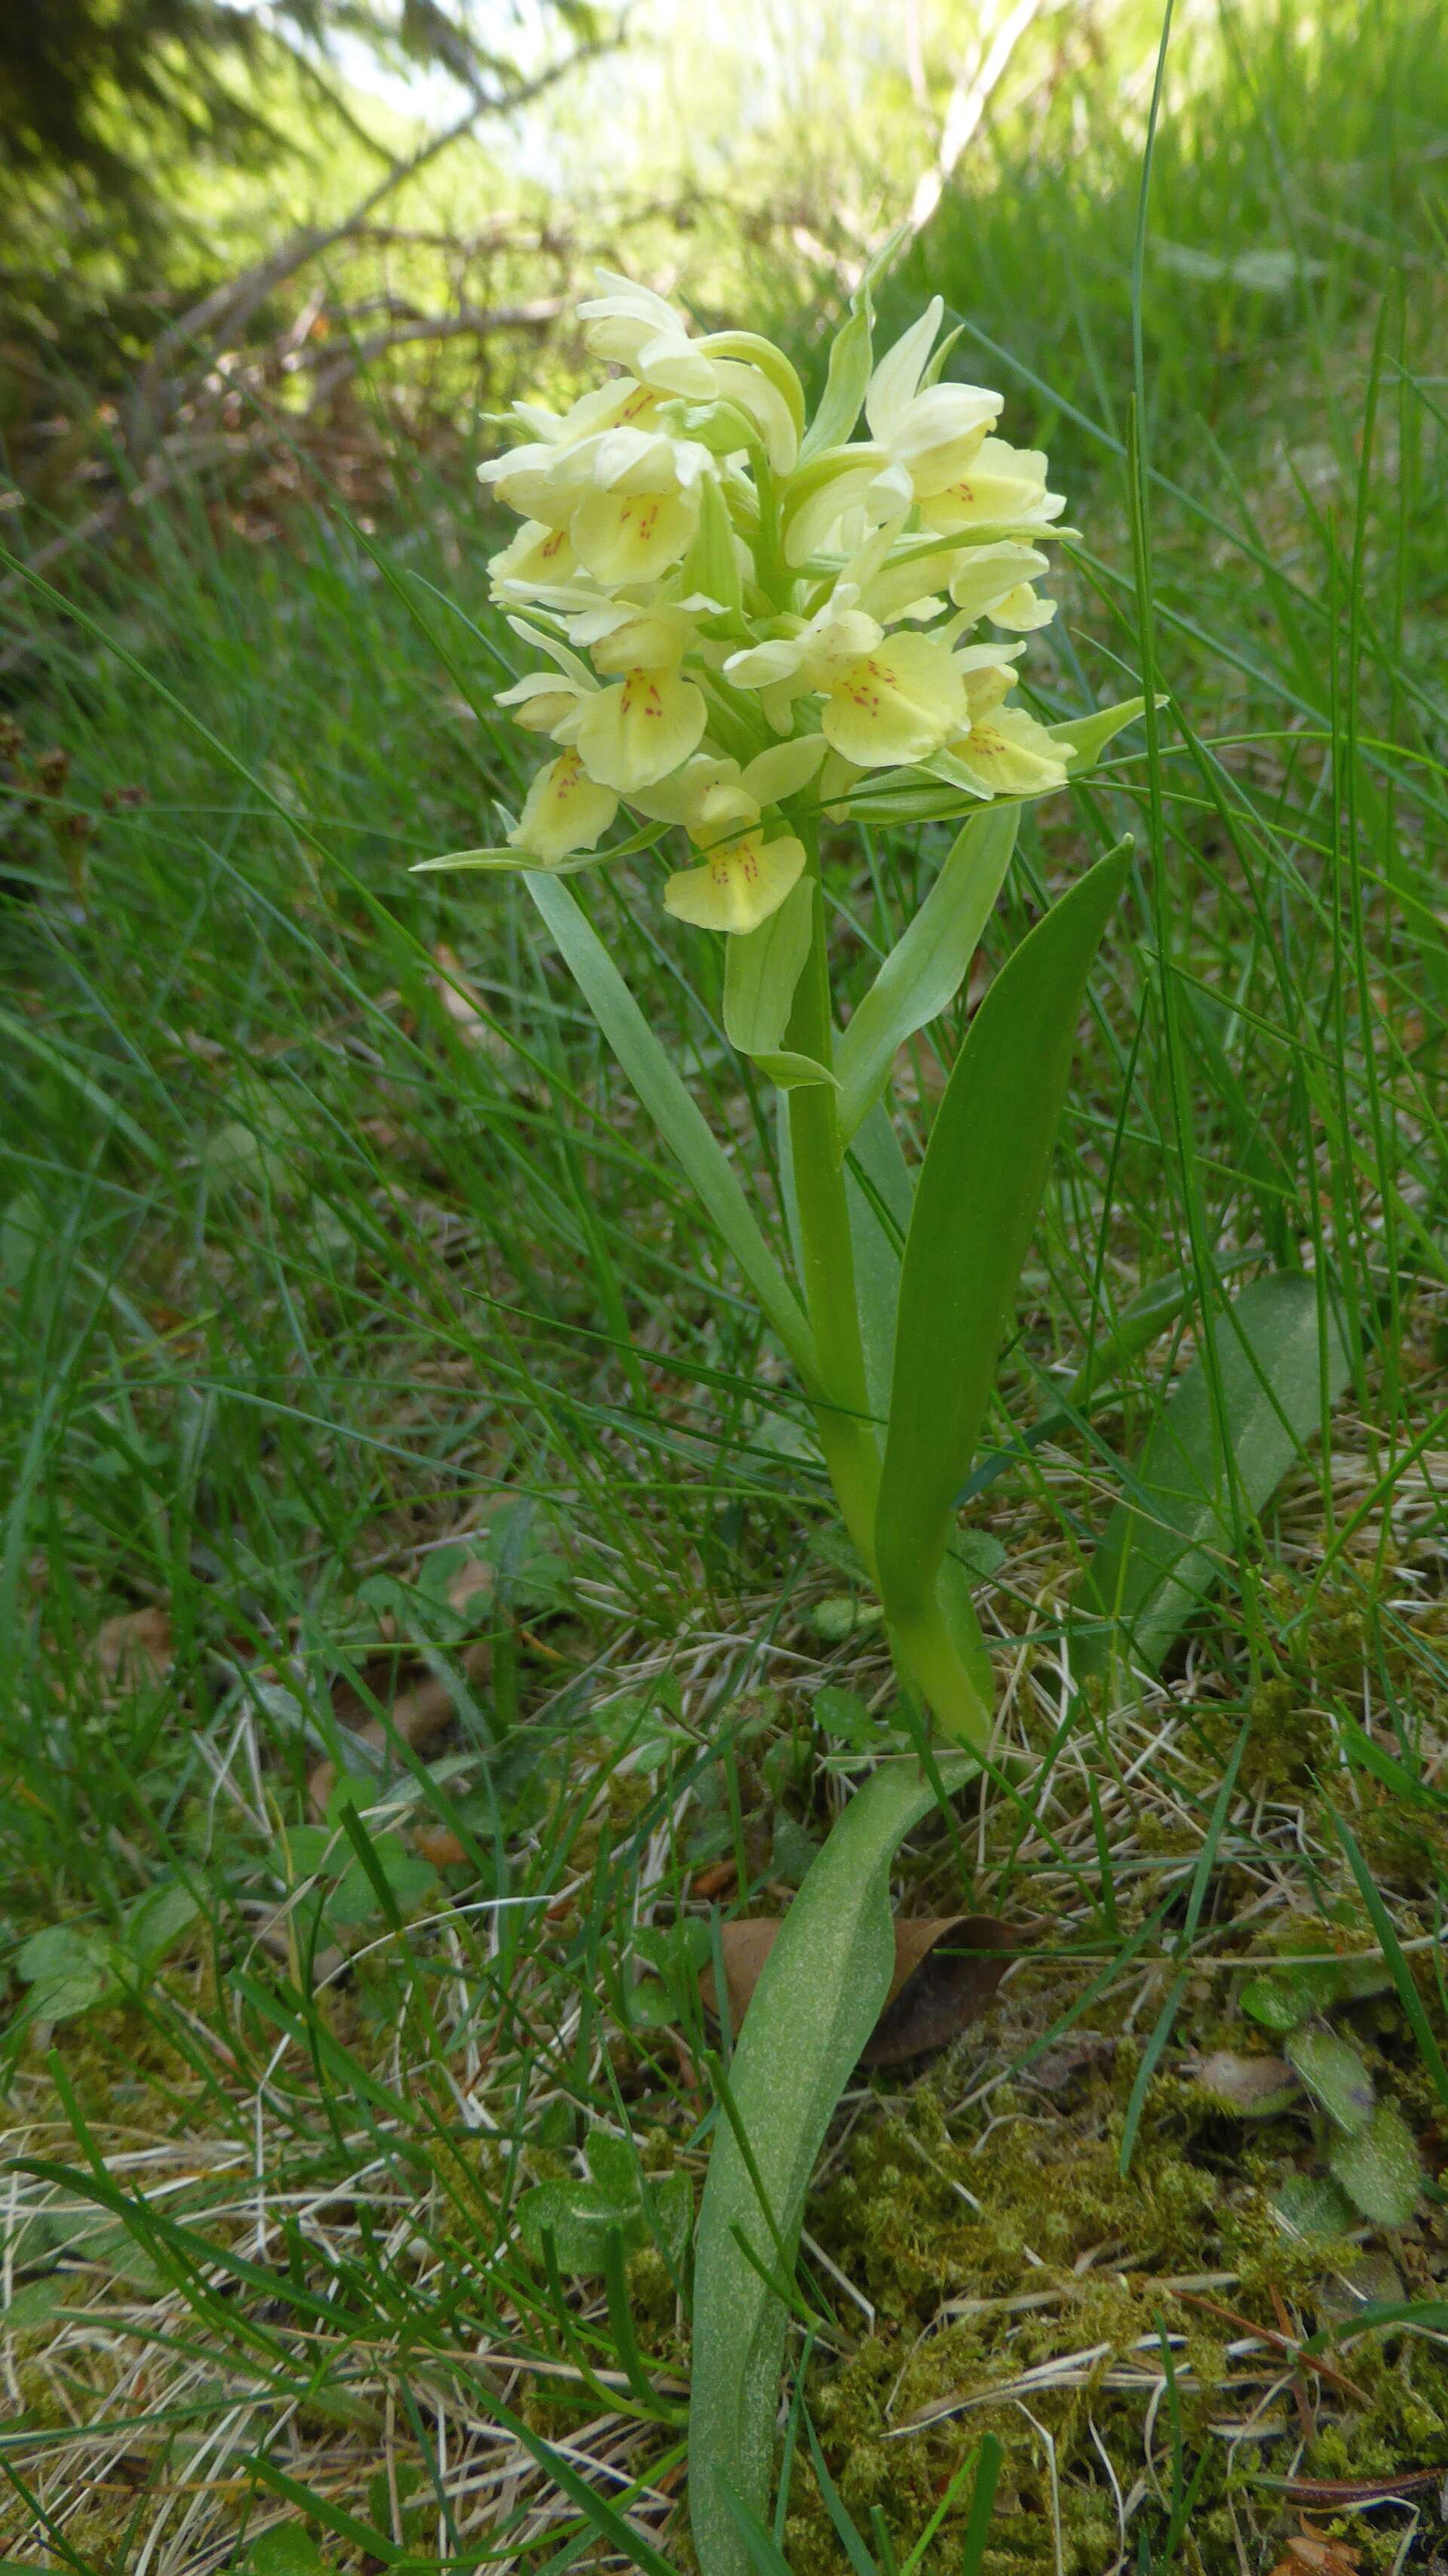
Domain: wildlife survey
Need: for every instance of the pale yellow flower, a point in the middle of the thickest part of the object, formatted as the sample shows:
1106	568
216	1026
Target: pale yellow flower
996	582
888	699
643	332
741	882
1004	752
928	435
545	702
566	810
635	734
1004	485
744	877
538	561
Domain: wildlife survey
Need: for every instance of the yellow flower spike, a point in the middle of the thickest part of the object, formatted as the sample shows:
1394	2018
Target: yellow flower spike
566	811
1004	484
741	882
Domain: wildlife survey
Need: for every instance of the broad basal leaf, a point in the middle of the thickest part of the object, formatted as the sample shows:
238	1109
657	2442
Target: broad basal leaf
812	2012
975	1208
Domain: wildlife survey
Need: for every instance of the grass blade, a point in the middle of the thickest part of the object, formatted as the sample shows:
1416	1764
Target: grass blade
679	1121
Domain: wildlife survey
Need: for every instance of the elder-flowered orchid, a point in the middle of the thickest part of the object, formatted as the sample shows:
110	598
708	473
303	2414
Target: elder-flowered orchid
749	620
720	588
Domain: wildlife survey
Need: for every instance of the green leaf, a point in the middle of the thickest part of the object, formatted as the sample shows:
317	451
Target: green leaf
458	860
1165	1547
581	2216
844	1714
928	964
1335	2076
1379	2170
1310	2207
286	2550
844	393
761	970
60	1950
811	2014
674	1113
156	1924
1280	2002
1086	737
975	1209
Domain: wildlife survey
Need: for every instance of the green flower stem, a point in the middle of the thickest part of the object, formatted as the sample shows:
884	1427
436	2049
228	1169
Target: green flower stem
927	1654
848	1437
924	1648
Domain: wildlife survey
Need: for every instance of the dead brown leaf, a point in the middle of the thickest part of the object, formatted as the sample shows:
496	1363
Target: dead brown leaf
1315	2553
419	1714
135	1648
947	1969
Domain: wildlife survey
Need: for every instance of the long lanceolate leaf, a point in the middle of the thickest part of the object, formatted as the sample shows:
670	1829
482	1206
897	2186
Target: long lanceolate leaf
975	1207
677	1117
1171	1539
811	2014
926	968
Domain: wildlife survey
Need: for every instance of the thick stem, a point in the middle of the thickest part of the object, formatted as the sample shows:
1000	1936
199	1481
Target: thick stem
852	1450
924	1648
927	1653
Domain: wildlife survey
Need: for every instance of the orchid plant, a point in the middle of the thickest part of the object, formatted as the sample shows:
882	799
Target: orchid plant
746	621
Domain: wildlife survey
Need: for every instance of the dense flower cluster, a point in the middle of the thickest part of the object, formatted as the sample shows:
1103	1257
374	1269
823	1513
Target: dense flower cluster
744	613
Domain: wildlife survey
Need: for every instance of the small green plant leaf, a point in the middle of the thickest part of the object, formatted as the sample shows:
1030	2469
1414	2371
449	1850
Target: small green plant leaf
68	1972
841	1615
1335	2076
975	1209
1280	2002
581	2216
1170	1541
1312	2209
677	1117
1379	2170
929	963
156	1924
288	2549
842	1713
812	2012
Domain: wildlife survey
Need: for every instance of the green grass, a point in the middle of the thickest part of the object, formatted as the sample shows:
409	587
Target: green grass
361	1340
